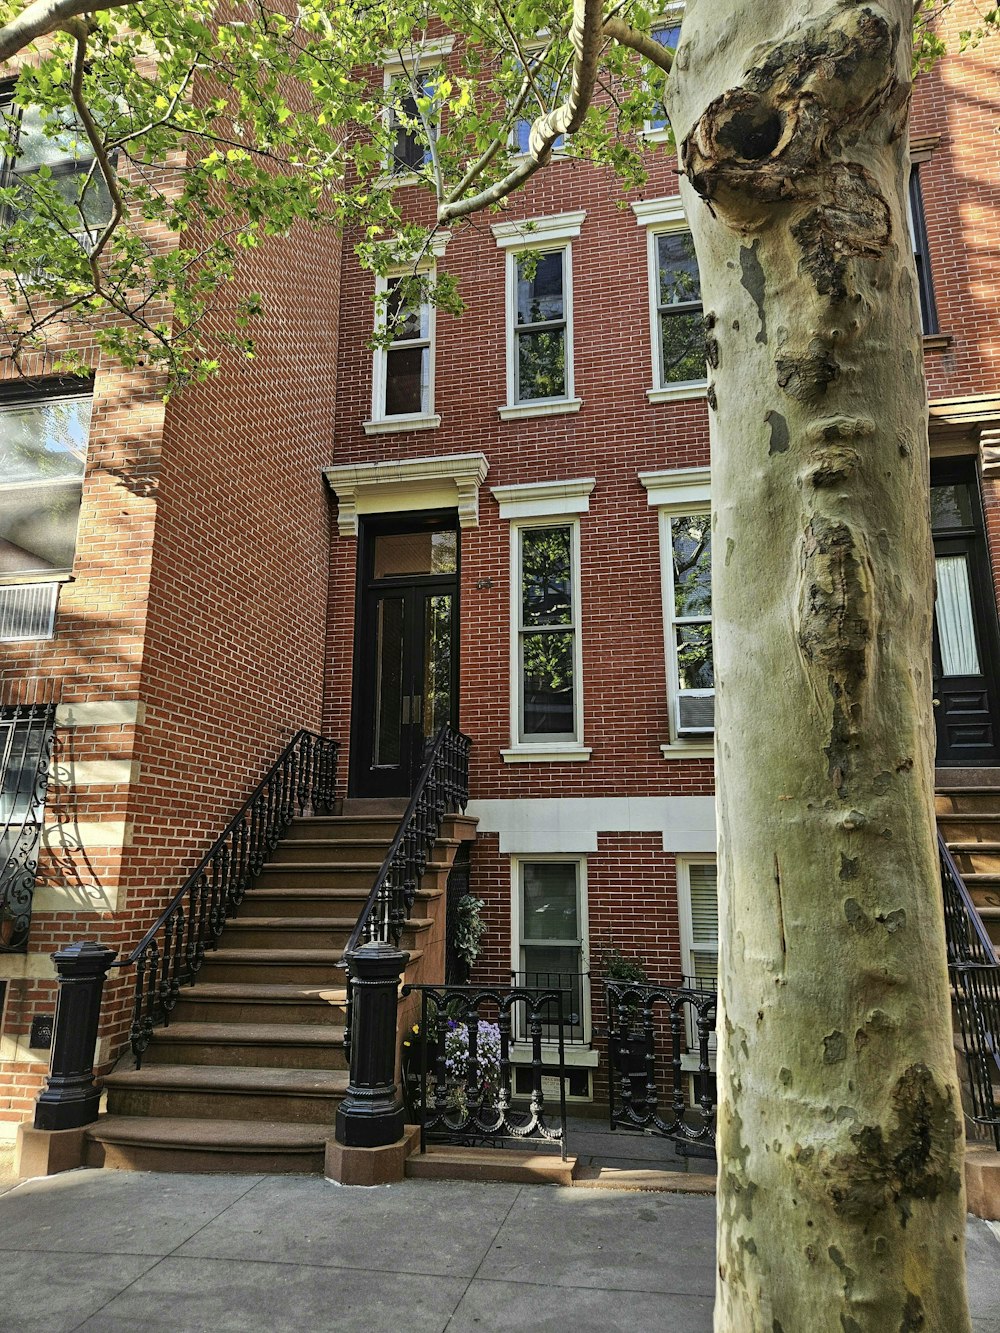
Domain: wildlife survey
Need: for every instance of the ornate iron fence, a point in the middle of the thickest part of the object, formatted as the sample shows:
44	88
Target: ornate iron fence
648	1087
458	1073
975	980
26	733
442	788
575	987
171	952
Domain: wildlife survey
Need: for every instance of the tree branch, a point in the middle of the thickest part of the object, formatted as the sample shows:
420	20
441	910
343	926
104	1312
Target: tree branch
647	46
585	33
78	29
44	16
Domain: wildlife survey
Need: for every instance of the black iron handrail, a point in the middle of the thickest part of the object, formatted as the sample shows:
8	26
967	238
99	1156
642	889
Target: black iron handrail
975	978
171	952
25	762
442	788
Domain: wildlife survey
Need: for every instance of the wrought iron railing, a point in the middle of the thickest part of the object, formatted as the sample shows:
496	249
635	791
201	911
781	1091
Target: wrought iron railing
442	788
975	980
458	1073
575	987
648	1086
26	732
170	954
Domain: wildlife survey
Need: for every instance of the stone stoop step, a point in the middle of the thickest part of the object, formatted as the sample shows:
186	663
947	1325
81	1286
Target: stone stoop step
446	1162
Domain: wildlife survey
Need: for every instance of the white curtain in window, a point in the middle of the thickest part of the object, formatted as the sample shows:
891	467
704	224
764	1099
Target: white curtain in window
953	609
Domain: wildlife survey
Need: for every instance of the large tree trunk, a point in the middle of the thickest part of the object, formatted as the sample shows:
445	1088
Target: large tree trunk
841	1203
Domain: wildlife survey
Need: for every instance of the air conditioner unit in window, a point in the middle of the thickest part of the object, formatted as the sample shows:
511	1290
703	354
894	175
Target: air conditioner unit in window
27	611
696	714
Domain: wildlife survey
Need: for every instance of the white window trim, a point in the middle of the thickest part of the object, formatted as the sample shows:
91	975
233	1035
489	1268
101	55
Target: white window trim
658	216
689	1061
545	235
403	266
669	17
379	422
583	909
396	63
544	504
401	485
676	492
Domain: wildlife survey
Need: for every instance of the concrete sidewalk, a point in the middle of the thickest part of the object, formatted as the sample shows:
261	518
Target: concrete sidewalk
109	1250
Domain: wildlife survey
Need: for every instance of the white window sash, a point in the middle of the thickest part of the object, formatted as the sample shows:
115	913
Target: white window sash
519	738
518	941
656	307
673	623
513	259
380	366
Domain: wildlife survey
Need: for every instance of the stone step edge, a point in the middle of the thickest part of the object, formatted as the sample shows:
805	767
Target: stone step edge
176	1133
256	1080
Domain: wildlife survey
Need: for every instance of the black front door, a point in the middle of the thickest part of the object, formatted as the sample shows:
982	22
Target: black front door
406	662
966	647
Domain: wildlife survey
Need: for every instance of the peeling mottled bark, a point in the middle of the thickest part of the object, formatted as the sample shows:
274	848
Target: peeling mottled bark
840	1190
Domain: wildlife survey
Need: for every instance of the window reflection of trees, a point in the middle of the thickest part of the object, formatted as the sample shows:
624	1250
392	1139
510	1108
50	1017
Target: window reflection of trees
691	539
547	648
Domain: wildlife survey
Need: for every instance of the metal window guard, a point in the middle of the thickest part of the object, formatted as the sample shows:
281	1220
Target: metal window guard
27	755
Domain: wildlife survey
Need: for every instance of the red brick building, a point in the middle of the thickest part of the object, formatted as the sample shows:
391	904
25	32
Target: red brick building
498	519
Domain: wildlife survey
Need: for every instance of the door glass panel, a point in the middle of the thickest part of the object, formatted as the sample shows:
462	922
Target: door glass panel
400	553
388	682
951	507
953	610
437	662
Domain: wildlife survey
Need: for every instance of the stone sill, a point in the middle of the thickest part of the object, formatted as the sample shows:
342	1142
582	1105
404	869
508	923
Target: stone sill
673	393
398	424
577	1056
691	750
546	408
937	342
551	754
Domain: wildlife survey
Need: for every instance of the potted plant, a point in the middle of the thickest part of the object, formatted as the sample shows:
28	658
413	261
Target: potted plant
628	1041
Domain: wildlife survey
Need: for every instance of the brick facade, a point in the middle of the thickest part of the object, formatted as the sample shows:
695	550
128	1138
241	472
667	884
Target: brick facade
212	605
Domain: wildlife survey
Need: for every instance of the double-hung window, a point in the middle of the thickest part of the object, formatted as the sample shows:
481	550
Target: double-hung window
539	314
545	92
546	644
921	253
676	321
682	499
667	31
549	943
405	334
43	452
50	159
411	73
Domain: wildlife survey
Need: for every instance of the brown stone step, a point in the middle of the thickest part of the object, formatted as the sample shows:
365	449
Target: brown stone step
386	807
244	1002
302	932
298	966
442	1162
295	966
228	1092
966	800
264	1045
161	1143
982	848
348	875
342	826
330	851
976	863
313	902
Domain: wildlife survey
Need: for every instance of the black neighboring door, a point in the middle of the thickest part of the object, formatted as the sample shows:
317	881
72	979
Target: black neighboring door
966	645
406	661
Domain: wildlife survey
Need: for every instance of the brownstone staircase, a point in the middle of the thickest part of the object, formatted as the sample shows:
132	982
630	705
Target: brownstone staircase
969	820
250	1070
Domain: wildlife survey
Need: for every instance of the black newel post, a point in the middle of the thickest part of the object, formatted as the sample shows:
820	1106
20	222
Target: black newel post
70	1099
371	1114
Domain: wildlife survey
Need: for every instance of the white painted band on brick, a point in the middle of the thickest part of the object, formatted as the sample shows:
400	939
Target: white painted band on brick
101	713
94	773
71	834
90	899
686	823
26	967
